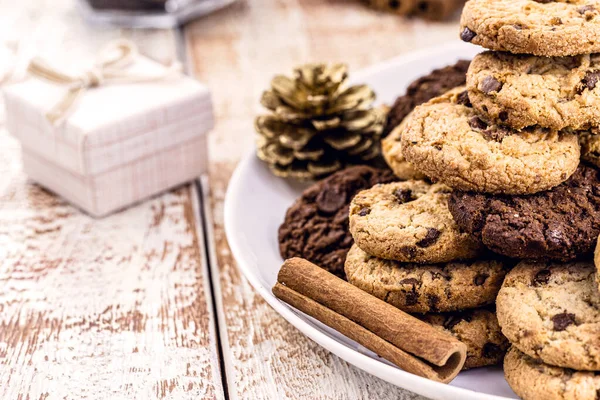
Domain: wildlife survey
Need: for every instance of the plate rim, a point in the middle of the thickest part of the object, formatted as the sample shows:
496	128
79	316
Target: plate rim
416	384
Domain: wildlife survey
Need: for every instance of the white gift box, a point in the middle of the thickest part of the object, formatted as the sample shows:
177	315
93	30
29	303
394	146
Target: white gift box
121	143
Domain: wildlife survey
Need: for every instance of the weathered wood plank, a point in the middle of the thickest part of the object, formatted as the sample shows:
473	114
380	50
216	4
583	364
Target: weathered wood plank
237	52
116	308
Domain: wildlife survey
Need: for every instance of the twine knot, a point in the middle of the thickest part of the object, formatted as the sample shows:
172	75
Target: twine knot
92	78
111	67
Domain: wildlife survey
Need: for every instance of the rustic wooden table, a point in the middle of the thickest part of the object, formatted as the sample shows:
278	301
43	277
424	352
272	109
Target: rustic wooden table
148	303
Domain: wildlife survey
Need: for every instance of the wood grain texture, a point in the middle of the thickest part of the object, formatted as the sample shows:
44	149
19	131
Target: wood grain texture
236	52
115	308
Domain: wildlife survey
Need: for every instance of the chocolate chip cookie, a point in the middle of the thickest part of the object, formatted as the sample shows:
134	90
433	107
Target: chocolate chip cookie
539	27
448	141
438	82
478	329
425	88
521	91
560	224
590	148
551	311
391	148
410	222
423	288
316	225
533	380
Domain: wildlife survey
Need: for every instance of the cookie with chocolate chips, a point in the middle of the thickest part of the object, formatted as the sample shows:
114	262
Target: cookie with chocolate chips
521	91
447	140
532	380
425	88
558	224
551	311
410	222
539	27
424	288
391	149
478	329
316	225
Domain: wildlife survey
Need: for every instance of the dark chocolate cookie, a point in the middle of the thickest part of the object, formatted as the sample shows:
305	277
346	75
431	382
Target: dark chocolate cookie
316	225
560	224
424	89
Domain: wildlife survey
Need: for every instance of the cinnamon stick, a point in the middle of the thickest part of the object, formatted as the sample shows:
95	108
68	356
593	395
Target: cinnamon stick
400	338
437	10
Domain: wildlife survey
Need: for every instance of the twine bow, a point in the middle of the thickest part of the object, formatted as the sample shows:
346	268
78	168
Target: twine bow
111	67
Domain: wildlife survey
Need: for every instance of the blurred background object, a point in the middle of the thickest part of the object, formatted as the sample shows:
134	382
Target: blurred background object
147	13
111	135
435	10
172	13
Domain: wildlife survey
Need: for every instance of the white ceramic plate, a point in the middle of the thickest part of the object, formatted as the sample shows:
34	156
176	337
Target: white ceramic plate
253	239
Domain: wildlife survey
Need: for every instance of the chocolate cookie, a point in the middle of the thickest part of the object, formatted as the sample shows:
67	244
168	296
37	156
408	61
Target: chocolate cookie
410	222
478	329
597	261
533	380
540	27
446	139
425	88
316	225
551	311
423	288
560	224
590	148
521	91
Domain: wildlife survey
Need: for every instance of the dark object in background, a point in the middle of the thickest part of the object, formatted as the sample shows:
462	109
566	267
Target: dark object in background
425	88
435	10
400	7
129	5
147	13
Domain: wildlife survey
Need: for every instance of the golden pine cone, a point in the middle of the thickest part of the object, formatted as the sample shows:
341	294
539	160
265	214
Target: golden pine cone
317	125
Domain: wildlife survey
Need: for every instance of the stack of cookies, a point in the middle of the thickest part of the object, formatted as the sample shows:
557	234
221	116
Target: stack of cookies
496	166
507	149
409	251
